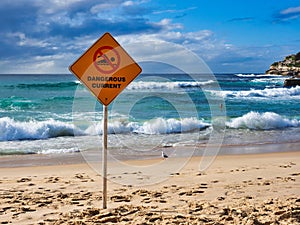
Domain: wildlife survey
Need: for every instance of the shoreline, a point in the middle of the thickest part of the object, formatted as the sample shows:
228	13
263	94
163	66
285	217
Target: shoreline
28	160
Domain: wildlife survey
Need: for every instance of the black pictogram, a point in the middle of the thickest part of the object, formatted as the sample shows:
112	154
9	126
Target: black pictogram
106	60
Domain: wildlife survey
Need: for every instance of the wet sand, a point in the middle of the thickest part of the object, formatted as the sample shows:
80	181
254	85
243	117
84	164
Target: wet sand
235	189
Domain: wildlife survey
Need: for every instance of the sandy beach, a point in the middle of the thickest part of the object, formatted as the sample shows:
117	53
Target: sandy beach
235	189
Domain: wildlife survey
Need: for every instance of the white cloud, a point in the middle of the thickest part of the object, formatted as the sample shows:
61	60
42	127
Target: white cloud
287	15
39	64
203	42
166	45
128	3
161	52
174	10
168	25
104	7
134	3
54	6
290	10
219	55
22	40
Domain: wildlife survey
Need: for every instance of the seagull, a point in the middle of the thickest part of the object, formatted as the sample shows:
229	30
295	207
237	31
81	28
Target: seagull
164	155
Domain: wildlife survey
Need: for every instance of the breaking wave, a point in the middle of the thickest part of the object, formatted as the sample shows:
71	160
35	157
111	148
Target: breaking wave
33	130
154	126
11	130
265	93
262	121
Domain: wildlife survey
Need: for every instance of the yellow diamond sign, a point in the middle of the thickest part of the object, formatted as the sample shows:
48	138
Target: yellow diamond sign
105	69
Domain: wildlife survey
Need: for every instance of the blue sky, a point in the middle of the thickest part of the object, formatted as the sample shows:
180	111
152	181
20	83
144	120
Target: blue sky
231	36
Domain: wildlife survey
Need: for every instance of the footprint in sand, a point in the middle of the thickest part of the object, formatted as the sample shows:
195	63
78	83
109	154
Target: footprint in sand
288	165
147	200
120	198
141	193
295	174
203	186
191	193
24	179
174	174
83	177
201	174
52	179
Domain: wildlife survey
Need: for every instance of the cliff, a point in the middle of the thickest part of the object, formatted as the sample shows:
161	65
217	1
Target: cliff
290	66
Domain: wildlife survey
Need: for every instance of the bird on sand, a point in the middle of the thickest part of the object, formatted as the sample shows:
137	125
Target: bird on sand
164	155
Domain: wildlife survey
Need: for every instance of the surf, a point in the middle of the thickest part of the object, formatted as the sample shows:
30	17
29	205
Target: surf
262	121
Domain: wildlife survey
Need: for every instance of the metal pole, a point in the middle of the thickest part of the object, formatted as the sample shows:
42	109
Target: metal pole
104	157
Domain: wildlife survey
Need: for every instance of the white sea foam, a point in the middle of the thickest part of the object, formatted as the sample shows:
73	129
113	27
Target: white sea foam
16	130
167	126
269	80
266	93
256	75
58	151
151	85
245	75
154	126
262	121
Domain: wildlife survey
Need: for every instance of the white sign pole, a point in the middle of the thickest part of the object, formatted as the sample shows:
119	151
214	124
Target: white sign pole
104	156
104	90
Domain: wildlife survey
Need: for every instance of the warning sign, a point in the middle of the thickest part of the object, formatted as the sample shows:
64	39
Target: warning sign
106	69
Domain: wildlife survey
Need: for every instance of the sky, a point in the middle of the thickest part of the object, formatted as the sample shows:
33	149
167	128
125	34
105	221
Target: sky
230	36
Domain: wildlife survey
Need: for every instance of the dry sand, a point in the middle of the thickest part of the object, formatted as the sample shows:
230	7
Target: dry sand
235	189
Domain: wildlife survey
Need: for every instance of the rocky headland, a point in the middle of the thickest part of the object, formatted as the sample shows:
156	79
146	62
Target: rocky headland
290	66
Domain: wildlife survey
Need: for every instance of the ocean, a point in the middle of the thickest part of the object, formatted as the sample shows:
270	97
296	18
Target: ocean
55	114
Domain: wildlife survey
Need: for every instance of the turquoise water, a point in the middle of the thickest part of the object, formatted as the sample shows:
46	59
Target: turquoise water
54	114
